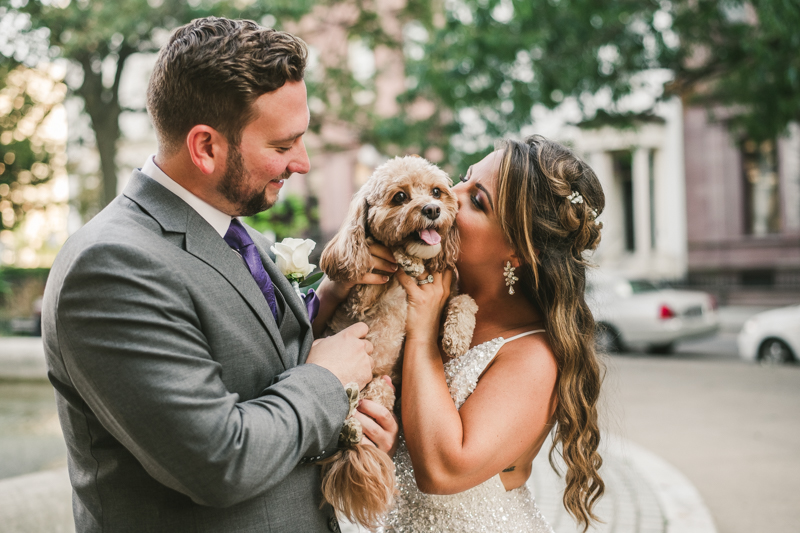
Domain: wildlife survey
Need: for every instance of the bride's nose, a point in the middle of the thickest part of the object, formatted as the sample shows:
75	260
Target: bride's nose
458	191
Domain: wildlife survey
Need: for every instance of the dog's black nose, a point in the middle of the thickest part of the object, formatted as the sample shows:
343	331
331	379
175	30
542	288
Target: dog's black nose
431	211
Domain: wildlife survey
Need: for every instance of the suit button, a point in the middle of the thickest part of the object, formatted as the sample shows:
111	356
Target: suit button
333	525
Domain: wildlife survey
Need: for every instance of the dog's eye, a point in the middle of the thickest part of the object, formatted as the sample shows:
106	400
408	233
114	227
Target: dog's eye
399	198
437	192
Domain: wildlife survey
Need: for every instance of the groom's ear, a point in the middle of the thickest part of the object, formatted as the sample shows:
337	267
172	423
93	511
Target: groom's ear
208	148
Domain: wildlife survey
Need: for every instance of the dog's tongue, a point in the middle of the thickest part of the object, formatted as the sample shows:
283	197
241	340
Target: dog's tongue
430	236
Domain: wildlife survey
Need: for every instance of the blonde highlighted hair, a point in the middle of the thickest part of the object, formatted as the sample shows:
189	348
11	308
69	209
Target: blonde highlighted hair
550	232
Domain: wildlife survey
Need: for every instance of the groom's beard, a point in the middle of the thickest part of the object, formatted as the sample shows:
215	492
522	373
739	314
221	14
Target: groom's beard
233	187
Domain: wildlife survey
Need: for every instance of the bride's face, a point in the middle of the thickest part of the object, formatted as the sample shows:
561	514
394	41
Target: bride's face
483	246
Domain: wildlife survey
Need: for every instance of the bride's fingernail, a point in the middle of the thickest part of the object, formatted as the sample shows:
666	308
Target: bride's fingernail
385	278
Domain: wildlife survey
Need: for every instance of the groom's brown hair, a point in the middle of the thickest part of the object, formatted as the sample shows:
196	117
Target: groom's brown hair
212	70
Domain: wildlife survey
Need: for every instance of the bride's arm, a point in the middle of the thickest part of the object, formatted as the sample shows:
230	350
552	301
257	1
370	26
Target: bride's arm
508	412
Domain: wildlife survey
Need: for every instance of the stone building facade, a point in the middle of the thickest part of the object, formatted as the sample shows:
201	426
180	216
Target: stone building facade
742	211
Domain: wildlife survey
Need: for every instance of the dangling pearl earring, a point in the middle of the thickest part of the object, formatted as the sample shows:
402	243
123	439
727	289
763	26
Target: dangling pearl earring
510	277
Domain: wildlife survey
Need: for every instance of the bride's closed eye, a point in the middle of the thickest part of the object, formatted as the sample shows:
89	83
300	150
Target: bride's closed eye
475	201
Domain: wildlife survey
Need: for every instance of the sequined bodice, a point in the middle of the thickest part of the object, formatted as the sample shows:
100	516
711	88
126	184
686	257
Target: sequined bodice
487	507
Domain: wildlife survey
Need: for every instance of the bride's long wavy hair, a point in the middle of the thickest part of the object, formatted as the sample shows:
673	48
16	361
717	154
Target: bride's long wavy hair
550	228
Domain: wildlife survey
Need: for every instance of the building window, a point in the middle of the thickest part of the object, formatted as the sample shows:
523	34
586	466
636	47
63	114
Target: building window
762	209
623	173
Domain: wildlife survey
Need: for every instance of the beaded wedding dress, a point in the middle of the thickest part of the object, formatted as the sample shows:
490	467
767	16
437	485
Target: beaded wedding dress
486	508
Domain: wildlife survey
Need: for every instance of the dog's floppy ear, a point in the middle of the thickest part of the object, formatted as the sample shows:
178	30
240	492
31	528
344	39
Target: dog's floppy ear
451	244
347	257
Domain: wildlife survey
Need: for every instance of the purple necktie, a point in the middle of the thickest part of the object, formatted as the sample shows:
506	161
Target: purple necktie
238	239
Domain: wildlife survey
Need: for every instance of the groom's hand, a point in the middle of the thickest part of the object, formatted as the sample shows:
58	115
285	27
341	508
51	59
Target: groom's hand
379	424
346	354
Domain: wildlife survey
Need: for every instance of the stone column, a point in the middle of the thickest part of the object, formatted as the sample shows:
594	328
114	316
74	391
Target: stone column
641	203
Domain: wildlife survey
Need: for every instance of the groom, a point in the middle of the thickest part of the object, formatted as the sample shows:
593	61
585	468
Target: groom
188	389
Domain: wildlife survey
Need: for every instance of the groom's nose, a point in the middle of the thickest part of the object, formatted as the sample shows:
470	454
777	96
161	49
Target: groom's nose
299	163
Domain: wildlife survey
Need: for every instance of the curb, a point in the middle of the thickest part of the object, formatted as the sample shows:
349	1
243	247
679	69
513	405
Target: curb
22	359
683	507
644	493
37	503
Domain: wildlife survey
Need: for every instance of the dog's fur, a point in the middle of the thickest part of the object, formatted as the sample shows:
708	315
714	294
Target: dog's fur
403	197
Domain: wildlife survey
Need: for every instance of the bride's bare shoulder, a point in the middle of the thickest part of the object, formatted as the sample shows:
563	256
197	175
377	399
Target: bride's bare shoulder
528	356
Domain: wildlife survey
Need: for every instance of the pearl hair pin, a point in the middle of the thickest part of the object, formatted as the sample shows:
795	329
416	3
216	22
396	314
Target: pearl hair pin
577	198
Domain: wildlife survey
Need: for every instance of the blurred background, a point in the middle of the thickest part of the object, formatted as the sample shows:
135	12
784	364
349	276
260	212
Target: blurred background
687	110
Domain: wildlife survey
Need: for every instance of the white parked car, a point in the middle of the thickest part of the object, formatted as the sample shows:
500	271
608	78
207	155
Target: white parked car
772	336
638	314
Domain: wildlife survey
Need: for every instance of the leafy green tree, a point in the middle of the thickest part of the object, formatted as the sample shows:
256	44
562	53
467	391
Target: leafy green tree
293	216
27	97
484	64
5	288
99	36
743	56
474	69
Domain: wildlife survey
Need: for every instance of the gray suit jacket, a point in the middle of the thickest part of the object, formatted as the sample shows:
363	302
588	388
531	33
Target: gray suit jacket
185	407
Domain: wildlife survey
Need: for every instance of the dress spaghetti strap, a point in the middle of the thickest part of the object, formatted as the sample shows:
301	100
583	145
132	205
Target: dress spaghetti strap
515	337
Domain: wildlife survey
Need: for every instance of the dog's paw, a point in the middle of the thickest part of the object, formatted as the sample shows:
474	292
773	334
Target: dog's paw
351	433
415	270
403	261
452	344
459	325
413	266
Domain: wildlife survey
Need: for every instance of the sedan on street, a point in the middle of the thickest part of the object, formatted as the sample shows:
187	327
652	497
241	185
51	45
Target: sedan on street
772	336
638	314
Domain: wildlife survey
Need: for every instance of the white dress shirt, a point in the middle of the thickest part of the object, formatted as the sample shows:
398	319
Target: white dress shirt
218	220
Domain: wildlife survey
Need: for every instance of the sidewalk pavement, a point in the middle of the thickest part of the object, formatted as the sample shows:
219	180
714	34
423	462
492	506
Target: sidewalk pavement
37	503
644	493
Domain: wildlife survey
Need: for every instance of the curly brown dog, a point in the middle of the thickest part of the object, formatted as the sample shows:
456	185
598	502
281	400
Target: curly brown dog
406	205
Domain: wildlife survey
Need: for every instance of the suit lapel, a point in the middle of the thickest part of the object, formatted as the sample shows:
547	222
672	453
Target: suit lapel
206	244
203	242
294	304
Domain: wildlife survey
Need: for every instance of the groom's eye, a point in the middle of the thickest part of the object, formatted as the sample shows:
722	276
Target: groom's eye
399	198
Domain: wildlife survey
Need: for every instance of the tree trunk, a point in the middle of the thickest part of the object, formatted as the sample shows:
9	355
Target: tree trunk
102	105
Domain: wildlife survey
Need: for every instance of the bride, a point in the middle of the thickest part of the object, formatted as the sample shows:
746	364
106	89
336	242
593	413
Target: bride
473	425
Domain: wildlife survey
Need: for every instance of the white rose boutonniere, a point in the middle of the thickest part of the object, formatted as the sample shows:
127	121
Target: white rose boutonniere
292	259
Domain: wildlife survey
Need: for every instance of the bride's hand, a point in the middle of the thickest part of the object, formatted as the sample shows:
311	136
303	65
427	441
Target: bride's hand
425	304
382	266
